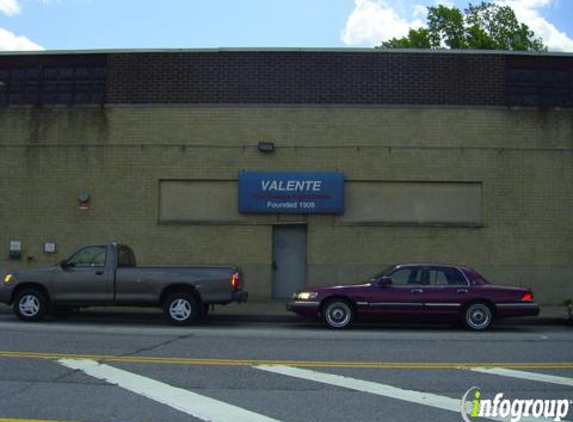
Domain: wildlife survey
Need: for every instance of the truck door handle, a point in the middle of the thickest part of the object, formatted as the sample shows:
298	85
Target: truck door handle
99	272
461	291
416	291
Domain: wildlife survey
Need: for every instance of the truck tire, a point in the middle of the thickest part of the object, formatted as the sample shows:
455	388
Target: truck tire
31	305
181	308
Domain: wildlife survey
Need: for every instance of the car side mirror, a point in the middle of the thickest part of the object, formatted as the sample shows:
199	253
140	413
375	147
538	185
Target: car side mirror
65	265
385	281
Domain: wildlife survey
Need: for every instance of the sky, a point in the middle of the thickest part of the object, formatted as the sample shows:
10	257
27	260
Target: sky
147	24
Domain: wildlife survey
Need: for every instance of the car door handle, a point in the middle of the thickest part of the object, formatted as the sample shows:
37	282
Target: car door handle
416	291
99	272
462	291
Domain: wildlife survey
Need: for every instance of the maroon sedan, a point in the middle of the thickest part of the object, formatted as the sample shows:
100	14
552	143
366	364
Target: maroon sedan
446	293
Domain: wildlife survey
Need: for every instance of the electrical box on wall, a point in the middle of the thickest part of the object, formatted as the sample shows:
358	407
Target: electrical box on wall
15	250
49	247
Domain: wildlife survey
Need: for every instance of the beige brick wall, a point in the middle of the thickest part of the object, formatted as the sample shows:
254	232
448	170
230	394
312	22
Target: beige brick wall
524	158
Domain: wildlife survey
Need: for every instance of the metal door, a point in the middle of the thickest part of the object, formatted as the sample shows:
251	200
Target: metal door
289	260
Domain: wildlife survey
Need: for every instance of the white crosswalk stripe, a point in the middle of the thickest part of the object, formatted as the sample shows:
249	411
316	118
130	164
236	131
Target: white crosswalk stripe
532	376
196	405
208	409
417	397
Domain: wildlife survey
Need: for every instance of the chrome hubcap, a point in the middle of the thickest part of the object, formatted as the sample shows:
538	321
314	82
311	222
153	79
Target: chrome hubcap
180	310
479	316
29	305
338	315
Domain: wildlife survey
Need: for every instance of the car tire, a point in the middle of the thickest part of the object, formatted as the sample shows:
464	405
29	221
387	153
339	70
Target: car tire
477	316
338	314
181	308
31	305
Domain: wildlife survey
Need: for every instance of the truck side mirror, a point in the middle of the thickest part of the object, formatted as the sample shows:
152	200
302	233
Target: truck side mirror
385	281
64	264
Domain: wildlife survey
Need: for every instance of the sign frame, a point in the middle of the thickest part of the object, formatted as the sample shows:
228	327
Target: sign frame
291	192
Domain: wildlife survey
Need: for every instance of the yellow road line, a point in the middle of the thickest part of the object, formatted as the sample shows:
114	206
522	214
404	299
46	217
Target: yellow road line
301	363
28	420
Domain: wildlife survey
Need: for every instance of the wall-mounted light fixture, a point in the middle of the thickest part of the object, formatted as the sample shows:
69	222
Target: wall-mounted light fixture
266	146
84	200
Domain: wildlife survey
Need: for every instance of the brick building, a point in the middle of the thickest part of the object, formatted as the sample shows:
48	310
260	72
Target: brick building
462	157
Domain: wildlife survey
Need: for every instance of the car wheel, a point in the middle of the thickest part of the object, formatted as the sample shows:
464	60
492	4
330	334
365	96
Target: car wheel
338	314
31	305
478	317
181	308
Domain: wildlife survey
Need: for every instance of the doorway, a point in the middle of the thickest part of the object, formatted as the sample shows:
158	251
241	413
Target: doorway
289	260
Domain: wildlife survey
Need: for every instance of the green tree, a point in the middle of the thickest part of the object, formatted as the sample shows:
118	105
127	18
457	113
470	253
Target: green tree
485	26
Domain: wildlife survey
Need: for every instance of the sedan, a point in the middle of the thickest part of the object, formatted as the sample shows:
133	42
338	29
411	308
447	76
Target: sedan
443	293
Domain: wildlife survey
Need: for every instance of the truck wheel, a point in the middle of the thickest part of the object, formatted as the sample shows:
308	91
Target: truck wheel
181	308
31	305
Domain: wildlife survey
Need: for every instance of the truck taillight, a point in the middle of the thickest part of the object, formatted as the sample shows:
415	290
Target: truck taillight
527	297
235	280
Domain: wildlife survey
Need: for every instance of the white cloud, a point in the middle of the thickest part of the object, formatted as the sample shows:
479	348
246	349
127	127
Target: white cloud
527	12
448	3
9	7
13	42
10	41
373	21
420	11
12	7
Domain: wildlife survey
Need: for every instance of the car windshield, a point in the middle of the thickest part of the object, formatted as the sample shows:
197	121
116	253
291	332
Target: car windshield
383	272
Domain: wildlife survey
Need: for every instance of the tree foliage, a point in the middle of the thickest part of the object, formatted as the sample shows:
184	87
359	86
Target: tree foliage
485	26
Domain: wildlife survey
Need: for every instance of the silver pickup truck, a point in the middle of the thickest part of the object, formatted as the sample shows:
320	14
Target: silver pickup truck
107	275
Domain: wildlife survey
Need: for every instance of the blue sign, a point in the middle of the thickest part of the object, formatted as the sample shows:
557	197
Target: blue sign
291	192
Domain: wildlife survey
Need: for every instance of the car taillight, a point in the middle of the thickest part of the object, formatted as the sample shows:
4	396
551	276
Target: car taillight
235	280
527	297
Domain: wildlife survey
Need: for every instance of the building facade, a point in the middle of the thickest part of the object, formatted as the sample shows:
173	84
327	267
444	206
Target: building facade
460	157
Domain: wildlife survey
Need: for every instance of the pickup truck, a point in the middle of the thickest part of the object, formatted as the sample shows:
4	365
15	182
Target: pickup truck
107	275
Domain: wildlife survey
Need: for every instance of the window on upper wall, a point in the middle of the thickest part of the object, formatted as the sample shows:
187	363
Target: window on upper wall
52	85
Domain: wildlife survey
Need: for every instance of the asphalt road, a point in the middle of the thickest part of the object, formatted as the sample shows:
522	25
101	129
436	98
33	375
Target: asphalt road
135	368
